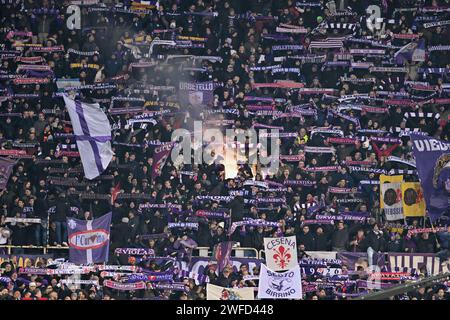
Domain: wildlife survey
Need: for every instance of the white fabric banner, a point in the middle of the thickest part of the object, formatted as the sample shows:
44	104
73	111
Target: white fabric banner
392	201
280	285
322	254
281	253
214	292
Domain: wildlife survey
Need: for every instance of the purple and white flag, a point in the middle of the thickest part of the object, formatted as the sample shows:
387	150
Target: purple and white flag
6	166
414	51
89	240
93	135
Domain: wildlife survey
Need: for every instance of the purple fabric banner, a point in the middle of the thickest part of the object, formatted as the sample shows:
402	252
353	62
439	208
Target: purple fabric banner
433	165
135	251
222	254
6	166
159	158
430	261
354	259
89	240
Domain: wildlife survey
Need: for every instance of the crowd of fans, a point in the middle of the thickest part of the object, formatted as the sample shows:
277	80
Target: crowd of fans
234	44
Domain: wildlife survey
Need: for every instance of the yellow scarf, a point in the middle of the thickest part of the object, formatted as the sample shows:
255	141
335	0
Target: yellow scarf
80	65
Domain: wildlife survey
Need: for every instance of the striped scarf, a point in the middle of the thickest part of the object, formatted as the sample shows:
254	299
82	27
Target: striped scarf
285	70
291	30
278	135
293	157
358	80
369	109
253	223
343	140
309	149
287	47
97	86
24	81
318	169
364	52
346	117
47	49
402	171
370	182
183	225
399	160
434	70
84	66
327	131
423	230
351	200
372	43
389	69
342	26
361	65
421	115
328	43
309	58
436	24
303	183
405	131
264	68
385	139
82	53
364	169
341	190
408	36
30	60
210	214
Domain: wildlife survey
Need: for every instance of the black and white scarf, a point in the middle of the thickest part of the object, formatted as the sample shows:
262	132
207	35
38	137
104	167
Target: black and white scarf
399	160
421	115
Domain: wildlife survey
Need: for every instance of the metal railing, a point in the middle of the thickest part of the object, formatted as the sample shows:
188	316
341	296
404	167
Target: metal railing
405	288
198	252
238	252
43	248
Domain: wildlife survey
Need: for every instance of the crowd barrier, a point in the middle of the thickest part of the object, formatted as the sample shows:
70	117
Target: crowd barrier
238	252
45	249
198	252
202	255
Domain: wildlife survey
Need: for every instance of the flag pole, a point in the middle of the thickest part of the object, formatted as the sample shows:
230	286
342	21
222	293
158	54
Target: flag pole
48	229
434	231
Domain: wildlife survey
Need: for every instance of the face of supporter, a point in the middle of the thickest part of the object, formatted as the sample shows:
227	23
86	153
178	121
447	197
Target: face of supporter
305	229
17	295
